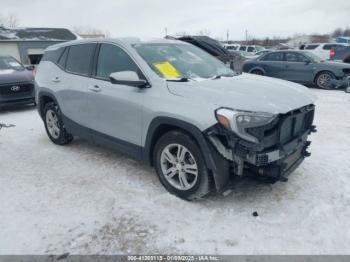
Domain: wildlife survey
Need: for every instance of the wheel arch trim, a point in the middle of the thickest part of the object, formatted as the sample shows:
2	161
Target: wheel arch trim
211	157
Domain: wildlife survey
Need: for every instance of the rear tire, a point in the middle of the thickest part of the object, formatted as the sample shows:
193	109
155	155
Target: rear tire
180	166
54	125
257	72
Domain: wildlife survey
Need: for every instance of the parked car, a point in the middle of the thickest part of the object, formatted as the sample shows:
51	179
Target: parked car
260	53
300	66
250	48
322	50
16	82
340	54
175	107
211	46
232	47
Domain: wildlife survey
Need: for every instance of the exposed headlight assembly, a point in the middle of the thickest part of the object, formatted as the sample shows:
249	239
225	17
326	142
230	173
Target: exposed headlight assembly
238	121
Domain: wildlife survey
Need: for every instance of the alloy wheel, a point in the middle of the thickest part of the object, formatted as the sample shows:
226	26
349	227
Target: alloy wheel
179	167
52	124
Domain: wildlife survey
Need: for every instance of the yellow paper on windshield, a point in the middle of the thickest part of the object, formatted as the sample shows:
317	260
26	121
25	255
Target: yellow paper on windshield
167	70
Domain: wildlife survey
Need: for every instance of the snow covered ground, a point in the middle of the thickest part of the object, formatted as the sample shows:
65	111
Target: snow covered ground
85	199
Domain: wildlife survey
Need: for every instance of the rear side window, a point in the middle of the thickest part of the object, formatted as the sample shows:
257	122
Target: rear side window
79	58
251	49
53	55
273	57
311	47
113	59
329	47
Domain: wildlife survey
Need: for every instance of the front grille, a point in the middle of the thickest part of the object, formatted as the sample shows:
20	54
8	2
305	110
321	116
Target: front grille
16	88
284	128
295	123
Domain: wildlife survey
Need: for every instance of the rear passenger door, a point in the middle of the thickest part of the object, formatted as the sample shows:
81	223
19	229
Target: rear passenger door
74	82
115	109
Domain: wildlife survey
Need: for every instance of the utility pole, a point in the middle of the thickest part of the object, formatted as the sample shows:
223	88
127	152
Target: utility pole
227	35
246	36
166	31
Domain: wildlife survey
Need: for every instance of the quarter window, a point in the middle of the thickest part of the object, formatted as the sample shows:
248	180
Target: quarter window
79	58
113	59
63	58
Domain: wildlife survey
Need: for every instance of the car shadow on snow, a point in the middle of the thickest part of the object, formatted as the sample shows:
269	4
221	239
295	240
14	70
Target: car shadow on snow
240	190
16	109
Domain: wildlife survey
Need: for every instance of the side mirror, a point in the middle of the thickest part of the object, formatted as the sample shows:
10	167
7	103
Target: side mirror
30	67
307	62
129	78
347	90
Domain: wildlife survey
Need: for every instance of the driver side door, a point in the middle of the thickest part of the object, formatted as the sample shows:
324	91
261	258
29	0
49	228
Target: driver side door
115	109
297	68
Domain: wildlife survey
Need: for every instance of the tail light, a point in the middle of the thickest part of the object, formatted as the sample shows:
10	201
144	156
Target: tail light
34	72
332	54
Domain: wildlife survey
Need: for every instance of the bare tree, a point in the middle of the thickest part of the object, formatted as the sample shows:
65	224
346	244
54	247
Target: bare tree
10	21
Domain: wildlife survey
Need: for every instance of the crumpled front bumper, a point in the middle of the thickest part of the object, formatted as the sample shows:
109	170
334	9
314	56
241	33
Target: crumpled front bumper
341	82
282	148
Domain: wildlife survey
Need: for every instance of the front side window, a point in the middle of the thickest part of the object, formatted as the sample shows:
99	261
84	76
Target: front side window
79	58
242	48
113	59
273	57
175	61
9	63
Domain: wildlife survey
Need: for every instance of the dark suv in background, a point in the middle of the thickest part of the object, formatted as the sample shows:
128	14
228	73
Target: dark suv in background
16	83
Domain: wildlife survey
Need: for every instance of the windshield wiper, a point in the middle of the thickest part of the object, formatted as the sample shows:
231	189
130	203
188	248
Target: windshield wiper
223	75
182	79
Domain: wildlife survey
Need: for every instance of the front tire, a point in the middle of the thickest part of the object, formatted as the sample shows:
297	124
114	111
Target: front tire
180	166
323	80
54	125
257	72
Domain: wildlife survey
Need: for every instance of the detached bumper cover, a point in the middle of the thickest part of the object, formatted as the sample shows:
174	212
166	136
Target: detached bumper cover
341	83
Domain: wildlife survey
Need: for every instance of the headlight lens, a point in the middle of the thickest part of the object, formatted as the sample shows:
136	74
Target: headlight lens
238	121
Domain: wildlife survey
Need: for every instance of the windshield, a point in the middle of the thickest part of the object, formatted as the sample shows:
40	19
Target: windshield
259	48
181	61
9	63
314	58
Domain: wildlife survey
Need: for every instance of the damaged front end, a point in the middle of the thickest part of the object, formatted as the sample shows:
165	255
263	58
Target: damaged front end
264	146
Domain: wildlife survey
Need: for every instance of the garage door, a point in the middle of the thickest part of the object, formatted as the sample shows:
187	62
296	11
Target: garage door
10	49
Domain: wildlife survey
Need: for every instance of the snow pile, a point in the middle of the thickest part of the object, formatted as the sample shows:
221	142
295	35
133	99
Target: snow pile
82	198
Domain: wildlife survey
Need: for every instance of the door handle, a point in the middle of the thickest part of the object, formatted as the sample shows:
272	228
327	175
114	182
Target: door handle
56	79
95	88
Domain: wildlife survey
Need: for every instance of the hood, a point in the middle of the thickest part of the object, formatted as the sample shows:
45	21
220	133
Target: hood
337	65
9	76
246	92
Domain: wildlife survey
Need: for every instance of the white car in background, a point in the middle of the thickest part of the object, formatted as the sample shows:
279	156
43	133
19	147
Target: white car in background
322	50
251	48
232	47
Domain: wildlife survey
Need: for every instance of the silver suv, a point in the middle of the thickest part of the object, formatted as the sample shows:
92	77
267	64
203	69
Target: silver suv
177	108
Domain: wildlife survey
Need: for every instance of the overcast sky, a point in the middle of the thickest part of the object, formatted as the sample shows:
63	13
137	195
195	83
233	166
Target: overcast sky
148	18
